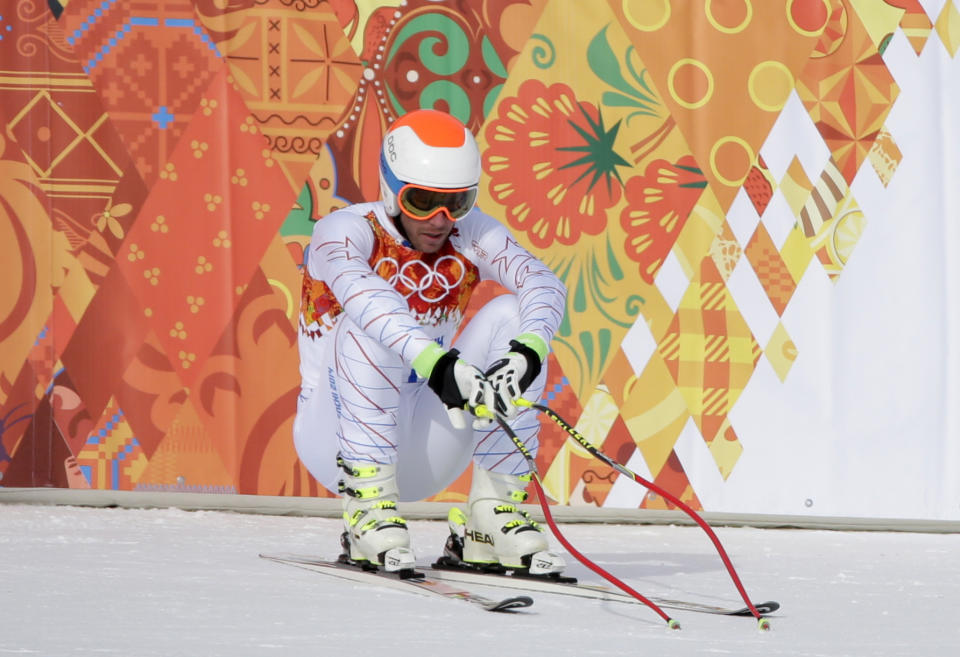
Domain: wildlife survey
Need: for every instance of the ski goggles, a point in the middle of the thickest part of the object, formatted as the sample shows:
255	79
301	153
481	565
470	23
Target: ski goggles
423	203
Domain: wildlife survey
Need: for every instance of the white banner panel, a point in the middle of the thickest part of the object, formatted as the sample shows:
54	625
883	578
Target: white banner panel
866	422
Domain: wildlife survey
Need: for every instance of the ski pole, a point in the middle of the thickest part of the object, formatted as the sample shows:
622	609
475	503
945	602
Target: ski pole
541	496
590	447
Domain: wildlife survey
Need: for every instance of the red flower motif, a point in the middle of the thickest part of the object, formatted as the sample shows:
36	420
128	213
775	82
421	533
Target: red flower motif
551	163
659	204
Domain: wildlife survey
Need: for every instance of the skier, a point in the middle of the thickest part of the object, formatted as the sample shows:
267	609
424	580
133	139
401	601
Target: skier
381	413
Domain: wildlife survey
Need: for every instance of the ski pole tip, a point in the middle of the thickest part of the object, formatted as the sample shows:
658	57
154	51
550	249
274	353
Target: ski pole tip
763	624
673	624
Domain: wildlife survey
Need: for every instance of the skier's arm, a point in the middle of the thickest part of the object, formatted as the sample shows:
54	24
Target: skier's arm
542	300
540	294
339	255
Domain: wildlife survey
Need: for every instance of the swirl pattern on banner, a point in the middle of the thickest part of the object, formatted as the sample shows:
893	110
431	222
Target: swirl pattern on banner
162	165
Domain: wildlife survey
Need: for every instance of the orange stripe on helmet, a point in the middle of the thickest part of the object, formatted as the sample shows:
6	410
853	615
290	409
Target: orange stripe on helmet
434	128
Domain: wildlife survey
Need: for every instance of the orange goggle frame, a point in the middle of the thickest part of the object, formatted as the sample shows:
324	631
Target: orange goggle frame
423	203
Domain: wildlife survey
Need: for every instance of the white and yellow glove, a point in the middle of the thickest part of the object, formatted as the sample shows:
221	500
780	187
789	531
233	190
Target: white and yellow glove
512	375
458	384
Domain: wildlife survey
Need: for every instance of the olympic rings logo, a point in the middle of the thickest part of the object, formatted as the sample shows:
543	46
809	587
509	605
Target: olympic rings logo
430	284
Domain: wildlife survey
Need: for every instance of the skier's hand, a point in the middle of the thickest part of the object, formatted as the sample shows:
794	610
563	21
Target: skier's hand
460	386
512	375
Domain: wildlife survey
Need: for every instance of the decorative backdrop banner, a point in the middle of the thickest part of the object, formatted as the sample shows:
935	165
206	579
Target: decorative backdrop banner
753	205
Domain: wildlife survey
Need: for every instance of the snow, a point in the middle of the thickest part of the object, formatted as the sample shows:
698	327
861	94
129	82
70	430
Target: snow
136	582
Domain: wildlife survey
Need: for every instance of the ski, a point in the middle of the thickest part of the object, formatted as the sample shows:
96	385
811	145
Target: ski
446	571
418	582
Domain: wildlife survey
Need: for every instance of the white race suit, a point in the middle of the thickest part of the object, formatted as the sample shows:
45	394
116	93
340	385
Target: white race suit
370	305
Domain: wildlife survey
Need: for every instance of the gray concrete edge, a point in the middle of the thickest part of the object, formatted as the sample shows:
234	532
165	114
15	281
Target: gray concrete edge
330	508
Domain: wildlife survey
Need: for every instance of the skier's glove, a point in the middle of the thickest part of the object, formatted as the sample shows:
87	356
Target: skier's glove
512	375
459	385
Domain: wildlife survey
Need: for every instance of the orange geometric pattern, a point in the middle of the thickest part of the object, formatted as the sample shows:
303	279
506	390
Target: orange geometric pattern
915	23
885	156
112	457
709	351
295	71
714	77
849	93
770	269
948	27
671	478
162	164
199	238
150	63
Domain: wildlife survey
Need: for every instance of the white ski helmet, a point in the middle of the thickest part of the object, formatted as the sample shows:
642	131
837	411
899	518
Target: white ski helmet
433	150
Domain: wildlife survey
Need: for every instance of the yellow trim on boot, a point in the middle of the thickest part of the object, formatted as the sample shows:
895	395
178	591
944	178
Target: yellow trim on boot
456	516
392	520
362	493
518	495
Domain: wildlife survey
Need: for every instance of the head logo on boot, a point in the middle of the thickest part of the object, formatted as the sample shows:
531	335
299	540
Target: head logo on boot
478	537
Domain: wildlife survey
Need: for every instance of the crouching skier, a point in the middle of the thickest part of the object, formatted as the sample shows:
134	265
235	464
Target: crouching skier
380	416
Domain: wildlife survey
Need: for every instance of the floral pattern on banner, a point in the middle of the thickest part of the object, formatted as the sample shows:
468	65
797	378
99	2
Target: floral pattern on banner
452	56
557	164
165	162
547	132
659	204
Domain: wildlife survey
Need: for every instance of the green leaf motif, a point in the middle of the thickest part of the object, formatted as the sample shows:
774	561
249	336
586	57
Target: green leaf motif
490	100
298	221
492	58
593	283
611	99
598	158
605	65
586	345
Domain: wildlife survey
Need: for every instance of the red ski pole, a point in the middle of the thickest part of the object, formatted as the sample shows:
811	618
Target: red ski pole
541	496
590	447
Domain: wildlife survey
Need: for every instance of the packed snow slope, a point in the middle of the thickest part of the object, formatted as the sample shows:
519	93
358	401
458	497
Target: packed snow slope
167	582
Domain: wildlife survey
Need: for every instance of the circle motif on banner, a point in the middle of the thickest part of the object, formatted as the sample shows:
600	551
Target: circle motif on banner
833	33
690	83
730	160
789	350
808	17
729	17
770	84
647	15
846	233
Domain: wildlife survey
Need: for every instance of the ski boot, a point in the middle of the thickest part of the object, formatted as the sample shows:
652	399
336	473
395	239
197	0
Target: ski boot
374	534
495	535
